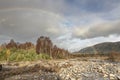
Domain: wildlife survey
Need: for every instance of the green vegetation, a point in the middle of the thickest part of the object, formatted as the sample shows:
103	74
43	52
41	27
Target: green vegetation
44	49
21	55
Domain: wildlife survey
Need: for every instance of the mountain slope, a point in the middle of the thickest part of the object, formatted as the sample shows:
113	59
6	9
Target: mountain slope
102	48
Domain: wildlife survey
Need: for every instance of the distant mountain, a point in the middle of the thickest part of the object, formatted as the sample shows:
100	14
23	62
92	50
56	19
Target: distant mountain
102	48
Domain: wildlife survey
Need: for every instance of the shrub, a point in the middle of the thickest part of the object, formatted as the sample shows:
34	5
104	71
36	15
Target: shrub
22	55
2	54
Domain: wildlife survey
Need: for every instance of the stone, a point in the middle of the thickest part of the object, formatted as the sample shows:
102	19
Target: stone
80	70
105	75
118	77
112	77
72	79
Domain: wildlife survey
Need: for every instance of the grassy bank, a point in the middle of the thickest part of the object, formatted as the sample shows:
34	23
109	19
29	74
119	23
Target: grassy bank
113	56
21	55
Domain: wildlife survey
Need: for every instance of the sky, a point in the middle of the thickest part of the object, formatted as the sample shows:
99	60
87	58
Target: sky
71	24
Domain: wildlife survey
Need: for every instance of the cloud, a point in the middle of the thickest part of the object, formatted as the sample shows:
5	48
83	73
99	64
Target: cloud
28	23
64	7
75	44
71	24
98	30
101	24
4	39
55	6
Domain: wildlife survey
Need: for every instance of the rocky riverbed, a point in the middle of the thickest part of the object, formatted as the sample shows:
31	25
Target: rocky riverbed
70	69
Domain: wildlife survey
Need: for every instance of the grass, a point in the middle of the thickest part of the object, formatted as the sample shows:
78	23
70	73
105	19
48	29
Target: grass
21	55
114	56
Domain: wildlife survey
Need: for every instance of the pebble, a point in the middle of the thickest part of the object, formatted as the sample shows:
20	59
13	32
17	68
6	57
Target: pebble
112	77
90	71
77	70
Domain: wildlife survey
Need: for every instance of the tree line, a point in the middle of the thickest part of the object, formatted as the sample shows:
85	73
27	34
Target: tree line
43	46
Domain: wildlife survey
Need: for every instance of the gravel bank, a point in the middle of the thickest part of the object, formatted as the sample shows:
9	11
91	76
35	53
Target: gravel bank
71	69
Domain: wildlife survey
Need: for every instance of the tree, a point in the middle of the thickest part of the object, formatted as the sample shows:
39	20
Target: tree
45	45
11	44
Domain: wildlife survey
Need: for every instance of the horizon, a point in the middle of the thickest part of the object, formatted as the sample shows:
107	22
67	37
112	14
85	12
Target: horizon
55	44
70	24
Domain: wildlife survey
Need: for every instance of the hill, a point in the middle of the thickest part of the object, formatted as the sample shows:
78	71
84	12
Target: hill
102	48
